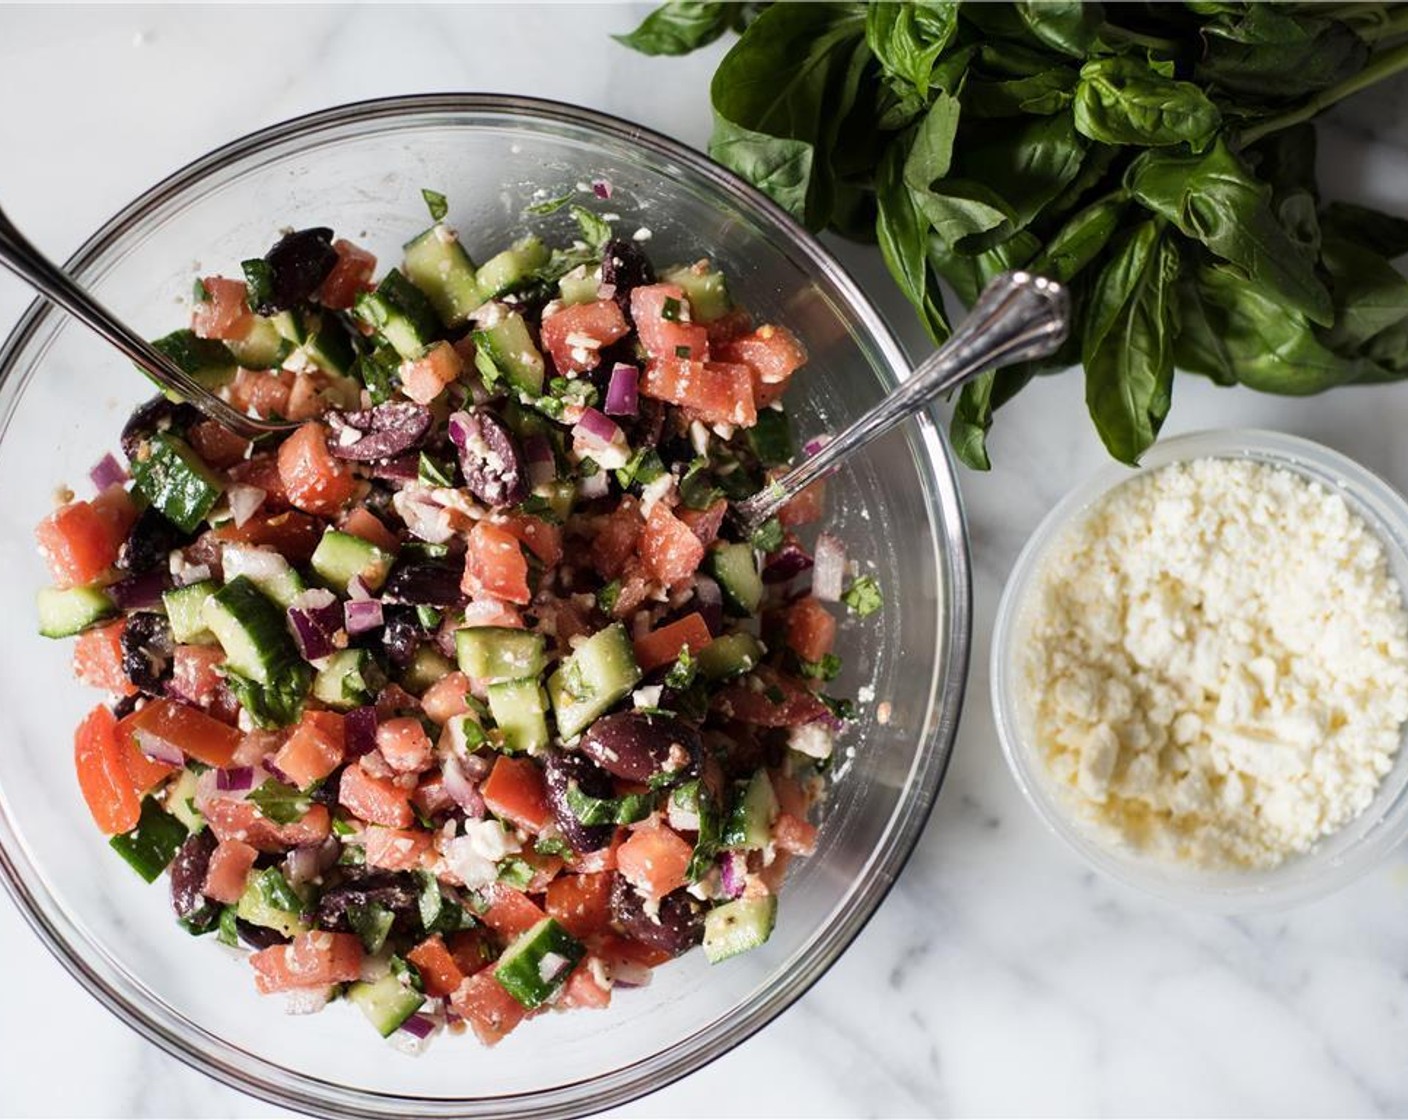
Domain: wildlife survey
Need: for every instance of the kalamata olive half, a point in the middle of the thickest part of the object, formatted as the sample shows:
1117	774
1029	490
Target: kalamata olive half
425	583
188	874
401	635
299	262
642	746
149	542
562	771
147	649
258	937
362	888
382	432
156	415
625	265
676	927
490	458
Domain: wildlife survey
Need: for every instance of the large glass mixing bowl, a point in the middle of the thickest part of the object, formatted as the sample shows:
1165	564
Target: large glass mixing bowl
360	169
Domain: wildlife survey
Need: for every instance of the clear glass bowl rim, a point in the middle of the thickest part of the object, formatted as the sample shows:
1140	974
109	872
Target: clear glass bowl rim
1302	878
274	1084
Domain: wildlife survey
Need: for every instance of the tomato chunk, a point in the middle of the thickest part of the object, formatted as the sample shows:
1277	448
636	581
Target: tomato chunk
426	377
655	859
231	819
616	537
216	444
228	871
314	481
375	800
584	990
97	659
704	523
541	538
314	750
404	744
511	912
797	704
446	698
102	773
490	1011
575	335
792	834
811	629
669	548
661	647
292	534
361	522
718	392
659	312
350	276
311	960
772	353
581	903
224	313
514	791
396	849
80	541
185	728
495	566
437	967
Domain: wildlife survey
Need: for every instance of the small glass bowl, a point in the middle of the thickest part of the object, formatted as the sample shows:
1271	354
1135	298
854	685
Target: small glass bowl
1335	860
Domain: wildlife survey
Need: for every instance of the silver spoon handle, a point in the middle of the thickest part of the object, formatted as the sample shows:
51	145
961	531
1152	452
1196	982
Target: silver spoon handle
1018	317
30	265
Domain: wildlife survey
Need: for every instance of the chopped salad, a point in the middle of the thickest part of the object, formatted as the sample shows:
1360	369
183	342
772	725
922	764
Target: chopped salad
465	700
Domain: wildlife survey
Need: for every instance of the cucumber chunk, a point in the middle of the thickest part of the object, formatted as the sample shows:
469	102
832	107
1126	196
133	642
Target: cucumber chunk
750	818
520	710
506	350
499	653
266	569
400	313
581	285
705	289
208	360
387	1003
734	566
64	612
427	666
512	269
538	963
340	557
175	480
153	844
268	901
251	629
600	672
735	927
185	611
438	265
263	347
350	679
329	347
729	655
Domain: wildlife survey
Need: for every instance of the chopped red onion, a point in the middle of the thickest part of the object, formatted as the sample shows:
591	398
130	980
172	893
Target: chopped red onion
733	871
315	618
597	486
107	471
363	615
357	588
359	731
305	864
236	780
276	773
159	749
601	188
621	399
788	561
542	465
141	591
829	573
606	291
244	502
421	1026
815	444
629	974
596	428
463	788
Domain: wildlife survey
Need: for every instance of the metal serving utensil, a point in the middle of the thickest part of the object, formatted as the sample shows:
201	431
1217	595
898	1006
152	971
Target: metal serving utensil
59	288
1018	317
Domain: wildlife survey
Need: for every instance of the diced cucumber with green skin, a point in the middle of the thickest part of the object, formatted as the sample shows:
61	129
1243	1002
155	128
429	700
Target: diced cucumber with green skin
705	289
387	1003
771	438
737	926
599	673
152	845
581	285
208	360
181	800
400	313
350	679
749	824
65	611
512	269
559	493
258	908
174	479
291	326
185	611
729	655
438	265
251	628
380	372
340	557
509	347
329	347
538	963
266	569
520	709
736	569
499	653
427	666
262	348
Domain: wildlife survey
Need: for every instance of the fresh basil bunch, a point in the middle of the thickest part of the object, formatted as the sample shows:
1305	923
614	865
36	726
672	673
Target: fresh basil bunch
1156	157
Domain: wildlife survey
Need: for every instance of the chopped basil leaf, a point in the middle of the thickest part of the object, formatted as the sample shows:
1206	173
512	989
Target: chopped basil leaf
607	596
596	232
683	671
551	846
199	292
436	203
515	872
644	467
435	474
549	205
863	596
228	933
275	890
697	489
767	537
280	803
670	310
259	280
823	670
609	810
372	923
841	709
683	352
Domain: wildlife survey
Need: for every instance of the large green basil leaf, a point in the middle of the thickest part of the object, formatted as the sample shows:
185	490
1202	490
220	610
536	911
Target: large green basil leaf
1371	228
1122	101
908	38
681	26
1266	52
1069	26
902	231
1041	94
1084	236
1369	294
778	167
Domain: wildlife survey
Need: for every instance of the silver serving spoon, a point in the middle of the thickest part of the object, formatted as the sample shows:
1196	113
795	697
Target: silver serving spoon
57	286
1018	317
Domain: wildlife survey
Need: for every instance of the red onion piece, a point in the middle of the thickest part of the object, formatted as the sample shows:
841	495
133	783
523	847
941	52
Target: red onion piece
597	486
303	865
621	399
237	780
141	591
596	428
788	561
829	572
421	1026
359	731
315	618
244	502
463	788
159	749
106	472
629	974
733	871
363	615
815	444
601	188
542	466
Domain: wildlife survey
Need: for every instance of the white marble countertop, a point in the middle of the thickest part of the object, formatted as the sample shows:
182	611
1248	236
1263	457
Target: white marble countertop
1001	977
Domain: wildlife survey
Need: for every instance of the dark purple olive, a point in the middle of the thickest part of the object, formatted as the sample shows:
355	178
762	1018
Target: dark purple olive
490	458
156	415
641	746
561	772
298	263
425	583
676	927
327	790
382	432
149	542
401	635
126	706
188	874
624	264
147	650
363	888
259	937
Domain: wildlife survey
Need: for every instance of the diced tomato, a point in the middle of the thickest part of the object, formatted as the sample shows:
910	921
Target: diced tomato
661	647
193	674
736	321
542	538
792	834
80	541
581	903
575	335
144	773
491	1012
811	629
514	791
393	701
669	548
361	522
473	949
436	965
510	912
185	728
102	773
584	990
224	313
426	377
350	276
311	960
791	797
797	704
773	874
404	744
228	871
431	797
495	566
216	444
616	537
396	849
603	859
97	659
772	353
292	534
233	819
718	392
655	859
258	745
636	585
315	481
375	800
488	611
446	698
263	471
704	523
806	507
616	951
263	392
314	750
664	333
305	397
